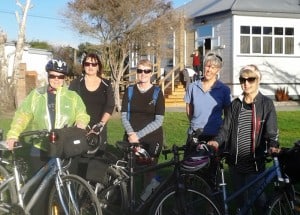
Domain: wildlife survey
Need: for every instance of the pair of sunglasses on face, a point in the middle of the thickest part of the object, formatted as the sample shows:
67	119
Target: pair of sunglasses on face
250	80
90	64
146	71
51	76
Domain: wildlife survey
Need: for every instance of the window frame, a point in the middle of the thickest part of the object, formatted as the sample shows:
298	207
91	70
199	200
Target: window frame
266	40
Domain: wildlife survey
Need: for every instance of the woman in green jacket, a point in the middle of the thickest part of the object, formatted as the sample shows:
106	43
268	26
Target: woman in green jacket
48	107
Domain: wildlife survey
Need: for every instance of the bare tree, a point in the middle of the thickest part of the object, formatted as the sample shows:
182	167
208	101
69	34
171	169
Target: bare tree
122	27
8	85
5	93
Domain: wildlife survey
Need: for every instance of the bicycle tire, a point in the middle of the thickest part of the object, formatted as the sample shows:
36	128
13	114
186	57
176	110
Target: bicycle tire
195	203
280	205
84	196
113	196
8	194
297	201
197	182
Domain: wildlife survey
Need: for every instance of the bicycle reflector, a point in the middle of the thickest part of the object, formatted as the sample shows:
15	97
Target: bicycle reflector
53	137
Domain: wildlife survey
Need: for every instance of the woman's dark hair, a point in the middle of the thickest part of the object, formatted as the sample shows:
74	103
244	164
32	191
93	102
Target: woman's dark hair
96	58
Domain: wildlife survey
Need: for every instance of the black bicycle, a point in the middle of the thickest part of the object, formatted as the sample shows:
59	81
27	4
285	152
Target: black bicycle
174	195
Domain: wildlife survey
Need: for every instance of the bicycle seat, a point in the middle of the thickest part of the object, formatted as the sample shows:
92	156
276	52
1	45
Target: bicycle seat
125	146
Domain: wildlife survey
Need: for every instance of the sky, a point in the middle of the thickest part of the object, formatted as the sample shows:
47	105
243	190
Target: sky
44	22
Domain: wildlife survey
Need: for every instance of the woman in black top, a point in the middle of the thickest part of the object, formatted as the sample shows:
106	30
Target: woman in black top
97	95
143	112
249	129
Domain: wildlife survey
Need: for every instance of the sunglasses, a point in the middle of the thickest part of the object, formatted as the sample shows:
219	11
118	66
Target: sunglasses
250	80
50	76
88	64
217	56
146	71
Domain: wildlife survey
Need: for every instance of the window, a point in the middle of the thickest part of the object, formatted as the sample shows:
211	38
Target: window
266	40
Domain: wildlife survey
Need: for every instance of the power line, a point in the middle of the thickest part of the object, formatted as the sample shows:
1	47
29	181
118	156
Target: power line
31	15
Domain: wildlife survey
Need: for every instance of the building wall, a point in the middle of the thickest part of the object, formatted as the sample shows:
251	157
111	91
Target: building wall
221	42
35	60
277	70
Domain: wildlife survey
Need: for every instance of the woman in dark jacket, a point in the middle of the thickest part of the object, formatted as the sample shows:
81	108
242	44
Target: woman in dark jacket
249	130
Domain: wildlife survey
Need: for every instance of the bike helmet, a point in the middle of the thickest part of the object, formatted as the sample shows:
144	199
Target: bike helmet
57	66
194	163
142	157
197	159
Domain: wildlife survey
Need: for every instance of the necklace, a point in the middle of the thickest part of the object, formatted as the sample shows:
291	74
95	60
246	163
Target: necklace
142	90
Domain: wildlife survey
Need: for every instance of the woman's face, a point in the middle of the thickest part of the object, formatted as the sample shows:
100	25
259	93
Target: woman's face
56	79
91	66
144	74
211	70
249	83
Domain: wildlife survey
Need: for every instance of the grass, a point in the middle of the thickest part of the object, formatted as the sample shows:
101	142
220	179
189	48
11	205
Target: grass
176	124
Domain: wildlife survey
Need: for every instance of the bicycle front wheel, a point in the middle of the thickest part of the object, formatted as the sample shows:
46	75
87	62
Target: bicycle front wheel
75	196
189	201
8	193
280	205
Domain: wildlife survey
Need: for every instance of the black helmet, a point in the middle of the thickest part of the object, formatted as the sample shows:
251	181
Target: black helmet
57	66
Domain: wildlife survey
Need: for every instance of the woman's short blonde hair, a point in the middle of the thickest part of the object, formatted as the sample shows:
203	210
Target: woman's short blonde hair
250	69
145	62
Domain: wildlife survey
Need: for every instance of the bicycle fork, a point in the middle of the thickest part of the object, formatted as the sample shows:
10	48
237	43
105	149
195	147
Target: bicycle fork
223	187
18	184
59	187
181	189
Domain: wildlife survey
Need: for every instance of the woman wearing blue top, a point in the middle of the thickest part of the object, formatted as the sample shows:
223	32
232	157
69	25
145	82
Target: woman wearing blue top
207	99
206	102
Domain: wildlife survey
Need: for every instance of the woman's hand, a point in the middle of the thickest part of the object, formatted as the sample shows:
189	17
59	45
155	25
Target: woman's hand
133	138
274	150
214	144
10	143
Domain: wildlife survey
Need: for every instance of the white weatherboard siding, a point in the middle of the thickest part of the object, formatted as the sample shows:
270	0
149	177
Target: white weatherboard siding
276	68
35	59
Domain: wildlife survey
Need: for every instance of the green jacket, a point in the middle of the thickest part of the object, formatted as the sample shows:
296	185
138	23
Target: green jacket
70	110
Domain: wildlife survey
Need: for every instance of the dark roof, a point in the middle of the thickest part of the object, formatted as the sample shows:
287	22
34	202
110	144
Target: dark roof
273	8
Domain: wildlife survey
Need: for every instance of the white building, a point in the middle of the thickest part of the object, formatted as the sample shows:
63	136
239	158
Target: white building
35	59
261	32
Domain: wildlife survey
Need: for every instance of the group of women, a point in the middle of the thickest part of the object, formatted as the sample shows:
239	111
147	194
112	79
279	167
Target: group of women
245	126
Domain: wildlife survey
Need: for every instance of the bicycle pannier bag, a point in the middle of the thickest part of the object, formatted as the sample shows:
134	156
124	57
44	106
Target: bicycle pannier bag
291	163
70	142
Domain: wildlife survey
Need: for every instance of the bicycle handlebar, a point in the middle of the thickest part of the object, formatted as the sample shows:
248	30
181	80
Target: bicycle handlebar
40	133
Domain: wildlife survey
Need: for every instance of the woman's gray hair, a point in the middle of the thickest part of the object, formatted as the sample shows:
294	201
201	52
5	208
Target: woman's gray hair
214	59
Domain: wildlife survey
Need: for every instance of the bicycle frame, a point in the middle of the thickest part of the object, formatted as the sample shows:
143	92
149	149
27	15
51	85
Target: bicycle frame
46	172
265	177
137	207
44	175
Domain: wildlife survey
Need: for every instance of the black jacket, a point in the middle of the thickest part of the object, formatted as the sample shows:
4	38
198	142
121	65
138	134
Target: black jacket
264	128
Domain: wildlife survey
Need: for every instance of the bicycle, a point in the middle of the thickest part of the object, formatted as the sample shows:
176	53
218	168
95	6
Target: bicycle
283	200
174	195
69	195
